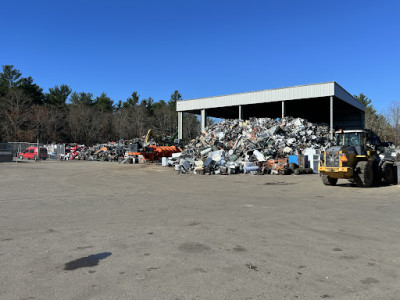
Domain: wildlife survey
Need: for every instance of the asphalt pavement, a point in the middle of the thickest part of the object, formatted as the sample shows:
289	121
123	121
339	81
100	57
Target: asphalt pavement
100	230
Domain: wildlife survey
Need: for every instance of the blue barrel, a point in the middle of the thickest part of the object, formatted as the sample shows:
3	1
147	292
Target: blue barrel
293	159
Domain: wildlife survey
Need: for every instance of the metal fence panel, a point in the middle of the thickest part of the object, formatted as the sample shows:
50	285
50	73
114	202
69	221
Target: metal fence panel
55	151
5	152
18	147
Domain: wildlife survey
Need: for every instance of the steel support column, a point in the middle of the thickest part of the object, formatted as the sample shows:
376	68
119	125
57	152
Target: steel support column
240	112
283	109
180	125
203	119
331	116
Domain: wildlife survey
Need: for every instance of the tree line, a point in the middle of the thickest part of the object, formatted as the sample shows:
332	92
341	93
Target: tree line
61	115
386	125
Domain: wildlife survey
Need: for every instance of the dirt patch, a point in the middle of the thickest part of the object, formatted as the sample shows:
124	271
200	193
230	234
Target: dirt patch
193	247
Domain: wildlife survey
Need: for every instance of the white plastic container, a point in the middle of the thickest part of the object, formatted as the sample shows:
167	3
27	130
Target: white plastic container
313	160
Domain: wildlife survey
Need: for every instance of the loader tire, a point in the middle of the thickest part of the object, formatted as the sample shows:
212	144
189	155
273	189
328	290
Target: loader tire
377	172
328	180
364	174
293	166
388	172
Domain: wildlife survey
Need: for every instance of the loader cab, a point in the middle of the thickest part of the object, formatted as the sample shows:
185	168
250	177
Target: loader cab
361	140
352	138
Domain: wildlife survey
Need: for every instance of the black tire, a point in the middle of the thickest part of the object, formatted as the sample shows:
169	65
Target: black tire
293	166
364	174
377	172
21	157
388	172
328	180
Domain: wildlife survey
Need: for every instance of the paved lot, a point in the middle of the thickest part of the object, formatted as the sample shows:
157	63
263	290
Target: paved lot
157	235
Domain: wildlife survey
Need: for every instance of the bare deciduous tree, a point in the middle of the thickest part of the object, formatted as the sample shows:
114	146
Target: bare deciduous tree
393	117
15	112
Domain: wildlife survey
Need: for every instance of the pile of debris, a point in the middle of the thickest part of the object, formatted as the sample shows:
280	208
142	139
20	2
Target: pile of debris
254	146
138	150
112	151
105	152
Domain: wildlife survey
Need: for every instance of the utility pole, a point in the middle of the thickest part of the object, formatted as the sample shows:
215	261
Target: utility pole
38	151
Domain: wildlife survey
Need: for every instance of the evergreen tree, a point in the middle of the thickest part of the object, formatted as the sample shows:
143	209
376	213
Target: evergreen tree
82	98
104	103
58	96
32	90
132	101
373	120
10	76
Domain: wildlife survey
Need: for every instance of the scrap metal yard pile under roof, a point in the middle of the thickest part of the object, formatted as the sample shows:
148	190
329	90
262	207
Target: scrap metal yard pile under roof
321	103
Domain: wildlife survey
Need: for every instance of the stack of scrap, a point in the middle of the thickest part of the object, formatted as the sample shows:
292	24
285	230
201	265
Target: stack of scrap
73	151
235	146
132	151
104	152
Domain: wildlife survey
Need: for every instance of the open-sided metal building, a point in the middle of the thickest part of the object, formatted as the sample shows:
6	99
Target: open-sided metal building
318	103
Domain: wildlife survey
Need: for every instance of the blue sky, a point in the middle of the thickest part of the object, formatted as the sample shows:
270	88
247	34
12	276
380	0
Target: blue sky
204	48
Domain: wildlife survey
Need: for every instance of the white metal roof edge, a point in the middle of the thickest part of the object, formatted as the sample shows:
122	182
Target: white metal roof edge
264	96
315	90
281	88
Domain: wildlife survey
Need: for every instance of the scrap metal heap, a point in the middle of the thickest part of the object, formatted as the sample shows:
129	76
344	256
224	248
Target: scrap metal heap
235	146
104	152
138	150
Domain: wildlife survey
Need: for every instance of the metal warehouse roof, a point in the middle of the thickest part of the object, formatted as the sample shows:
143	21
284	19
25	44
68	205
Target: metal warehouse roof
310	91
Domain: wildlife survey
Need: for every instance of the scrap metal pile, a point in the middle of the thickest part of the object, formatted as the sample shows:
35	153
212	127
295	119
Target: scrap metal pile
235	146
133	151
104	152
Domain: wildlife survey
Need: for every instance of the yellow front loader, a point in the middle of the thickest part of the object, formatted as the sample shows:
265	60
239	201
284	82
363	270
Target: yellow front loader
355	157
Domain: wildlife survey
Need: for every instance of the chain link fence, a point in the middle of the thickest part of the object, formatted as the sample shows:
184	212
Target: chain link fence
18	147
54	151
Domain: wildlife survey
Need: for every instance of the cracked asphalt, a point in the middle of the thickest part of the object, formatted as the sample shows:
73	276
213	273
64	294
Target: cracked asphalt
100	230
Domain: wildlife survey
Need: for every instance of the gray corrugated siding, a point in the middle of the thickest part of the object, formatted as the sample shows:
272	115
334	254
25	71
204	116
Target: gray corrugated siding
282	94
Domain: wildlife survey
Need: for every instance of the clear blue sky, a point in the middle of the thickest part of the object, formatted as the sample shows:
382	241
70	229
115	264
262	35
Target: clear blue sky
204	48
